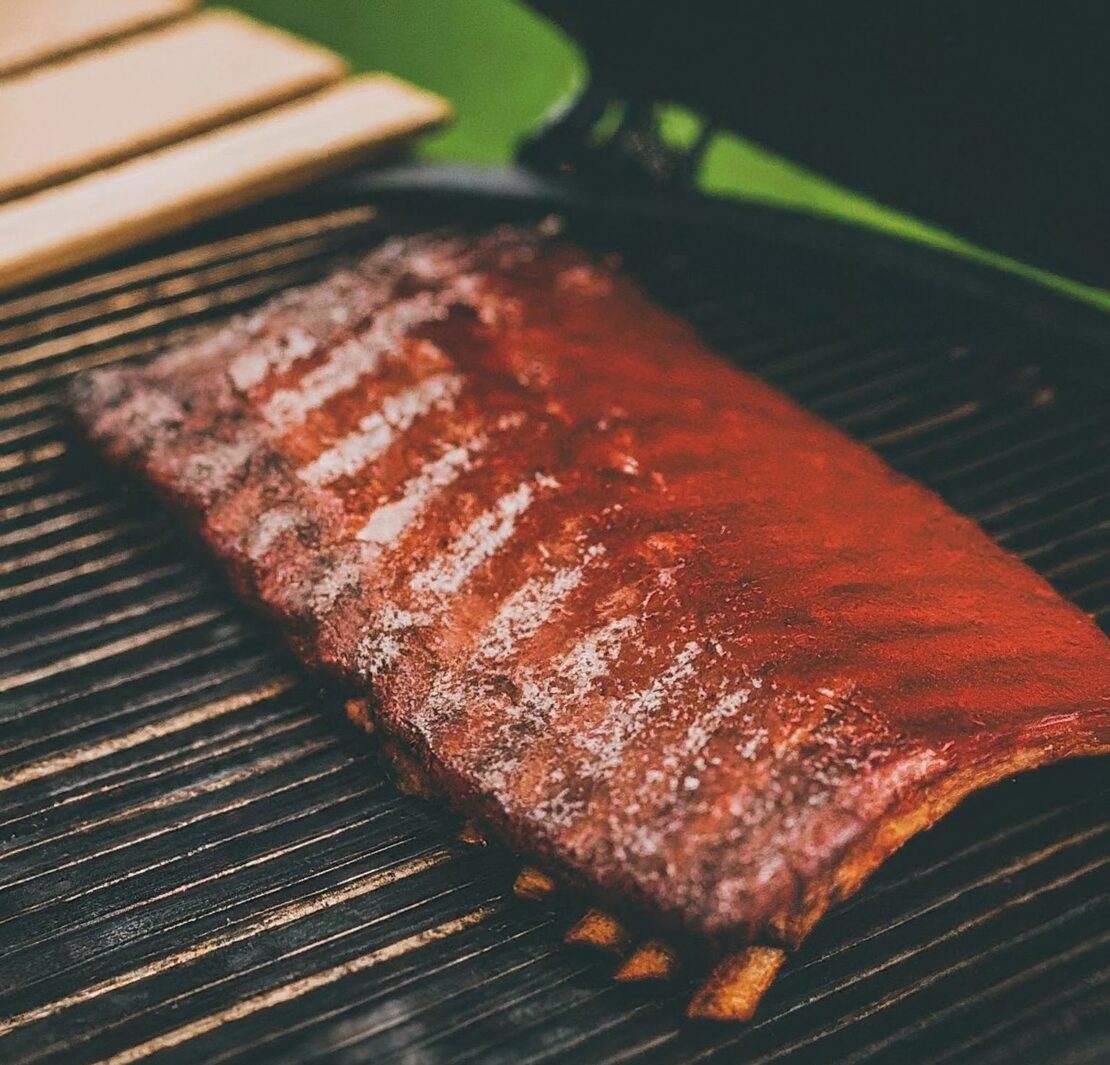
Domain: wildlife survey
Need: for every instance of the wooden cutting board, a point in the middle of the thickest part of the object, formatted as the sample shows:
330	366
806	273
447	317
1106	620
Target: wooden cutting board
33	31
129	138
70	117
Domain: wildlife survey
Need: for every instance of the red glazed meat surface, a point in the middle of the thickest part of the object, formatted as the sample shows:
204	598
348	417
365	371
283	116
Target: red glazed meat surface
659	627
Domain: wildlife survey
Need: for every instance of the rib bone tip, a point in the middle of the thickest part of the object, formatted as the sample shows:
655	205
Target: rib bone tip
472	834
600	930
651	960
408	774
358	713
534	884
735	987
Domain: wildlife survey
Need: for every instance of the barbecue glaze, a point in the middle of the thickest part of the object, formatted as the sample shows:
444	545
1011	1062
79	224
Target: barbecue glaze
682	643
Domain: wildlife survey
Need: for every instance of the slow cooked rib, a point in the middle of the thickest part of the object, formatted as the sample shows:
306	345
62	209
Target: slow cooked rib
681	643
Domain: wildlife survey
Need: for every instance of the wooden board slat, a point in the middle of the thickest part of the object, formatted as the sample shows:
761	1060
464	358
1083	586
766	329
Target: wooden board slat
36	31
147	91
237	164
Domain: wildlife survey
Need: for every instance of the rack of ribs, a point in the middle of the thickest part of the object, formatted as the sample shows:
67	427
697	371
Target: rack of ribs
695	654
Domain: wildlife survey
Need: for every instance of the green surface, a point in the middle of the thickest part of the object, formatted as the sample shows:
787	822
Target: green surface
504	67
500	65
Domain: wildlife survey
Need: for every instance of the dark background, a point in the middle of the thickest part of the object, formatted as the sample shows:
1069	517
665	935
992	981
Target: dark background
977	128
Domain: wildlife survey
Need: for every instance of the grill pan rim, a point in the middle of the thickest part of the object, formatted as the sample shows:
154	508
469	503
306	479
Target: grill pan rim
501	191
498	208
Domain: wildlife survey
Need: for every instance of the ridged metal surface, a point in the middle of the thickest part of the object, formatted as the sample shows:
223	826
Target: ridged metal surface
201	861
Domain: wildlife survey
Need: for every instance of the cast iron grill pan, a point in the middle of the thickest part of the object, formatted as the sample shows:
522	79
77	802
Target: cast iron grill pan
201	861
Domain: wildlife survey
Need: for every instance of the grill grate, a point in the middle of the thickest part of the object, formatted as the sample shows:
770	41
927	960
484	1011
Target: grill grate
200	863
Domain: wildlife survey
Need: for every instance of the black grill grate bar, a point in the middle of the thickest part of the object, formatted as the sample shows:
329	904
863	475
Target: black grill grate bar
142	776
1102	582
893	954
74	516
28	430
525	998
205	624
89	634
65	569
337	826
333	875
57	361
1052	960
949	876
1075	568
182	671
317	791
116	673
334	881
349	223
36	402
1044	476
135	307
831	357
890	433
800	1009
19	463
1062	515
1051	1015
240	677
862	387
338	857
47	917
57	557
18	486
134	798
111	770
778	357
816	369
584	1026
1048	941
168	724
524	972
20	518
18	384
49	538
999	427
1067	486
108	592
243	811
82	571
1070	542
29	486
191	307
1072	849
916	1030
76	513
252	773
43	605
430	932
1031	546
1012	454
